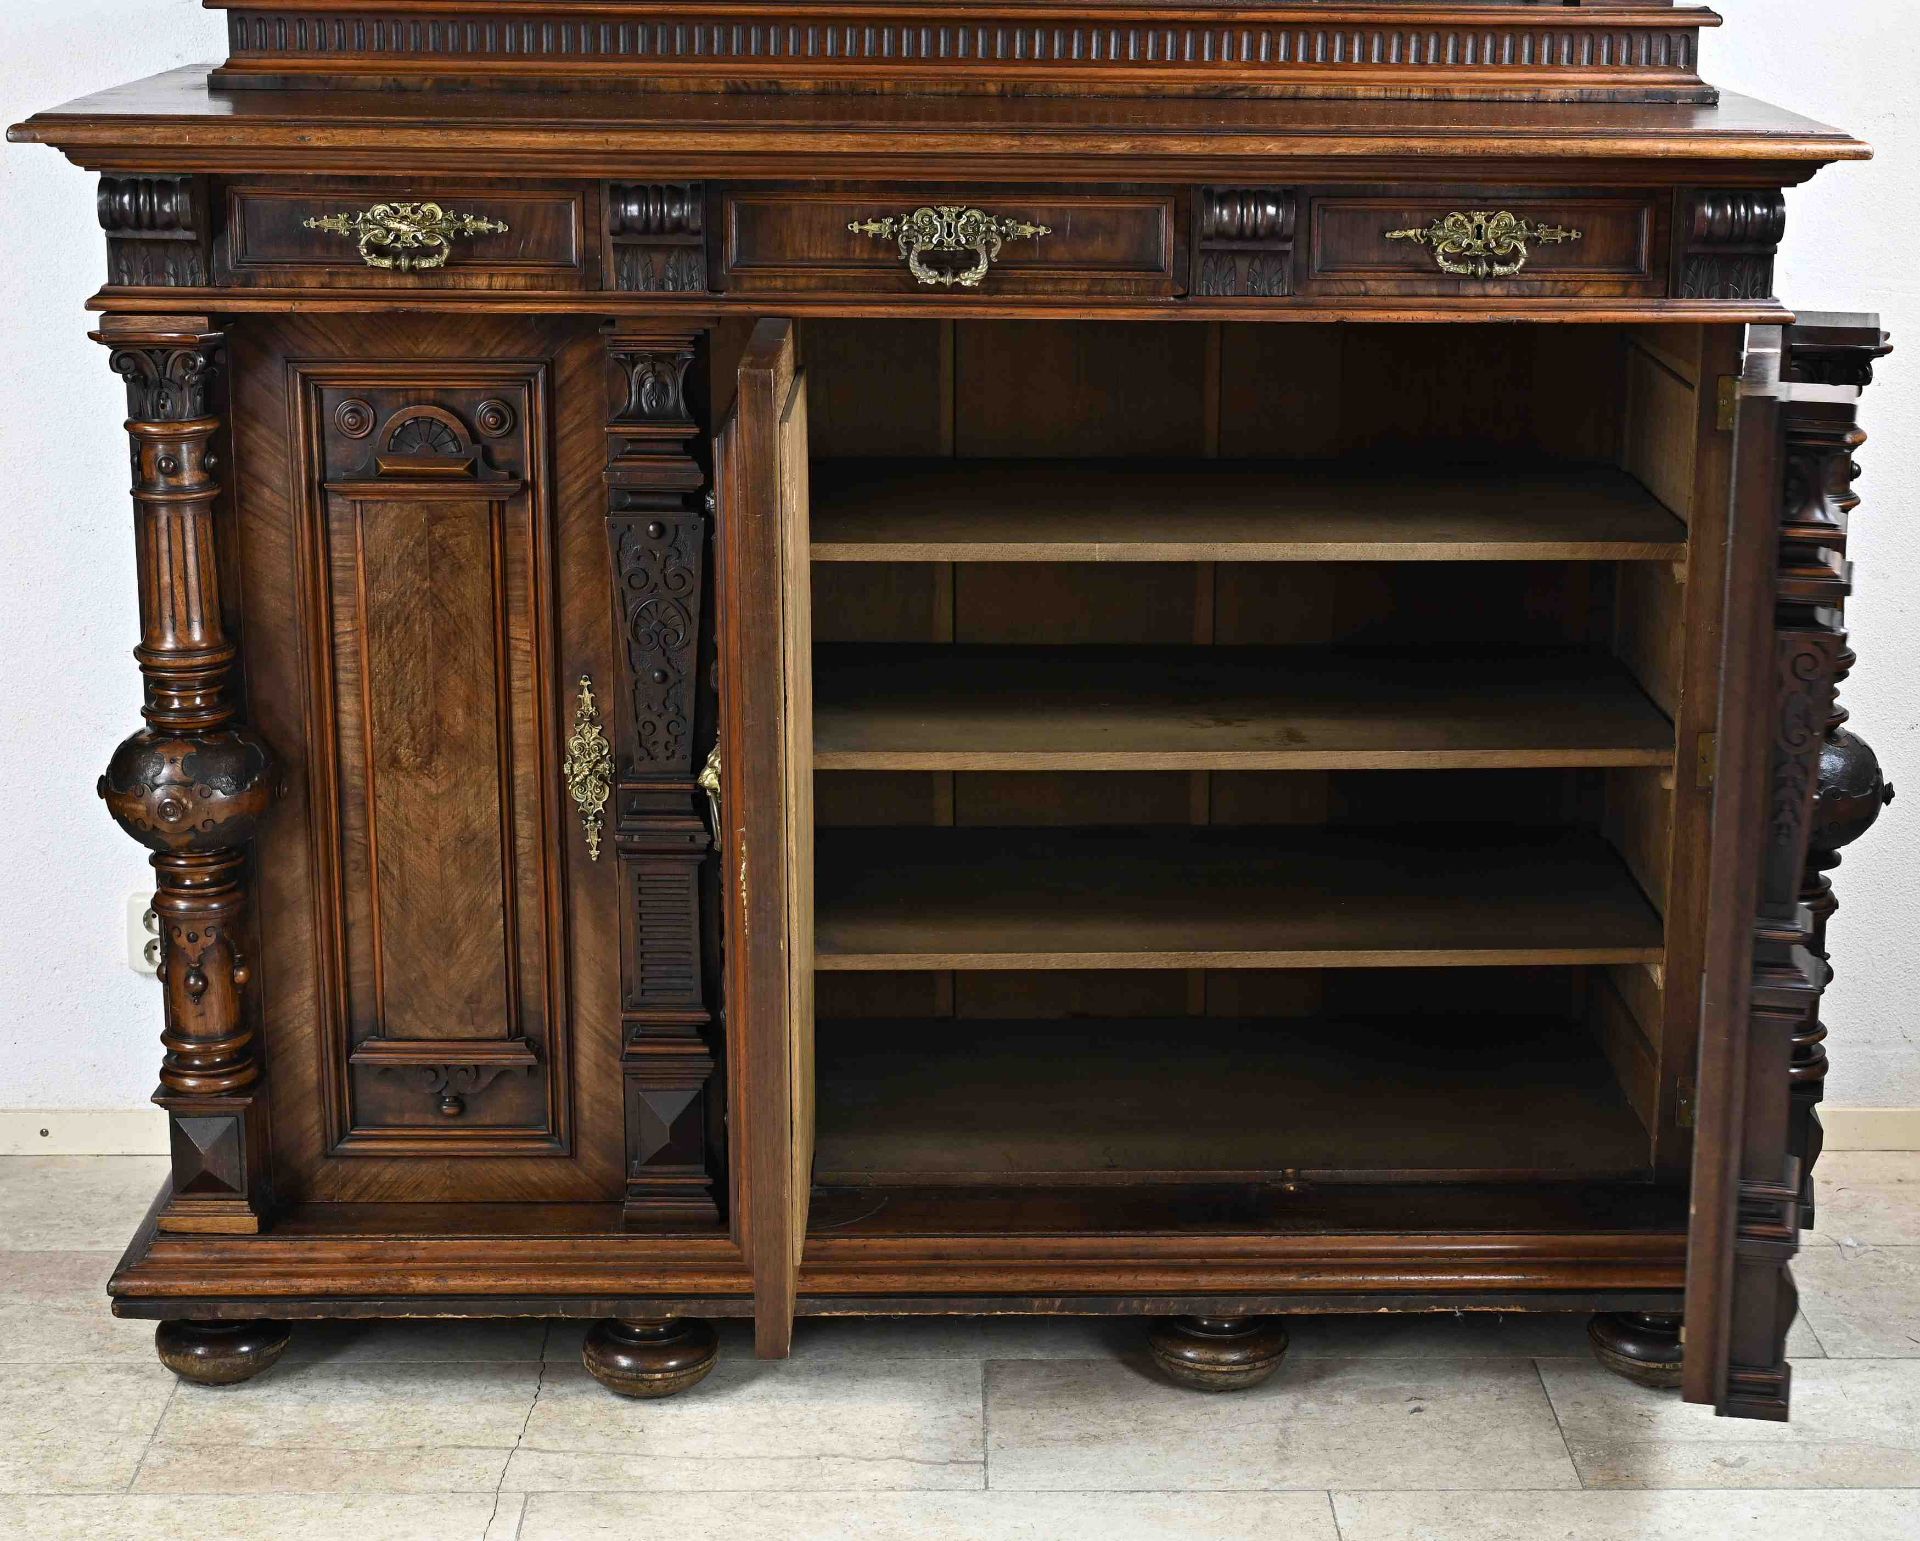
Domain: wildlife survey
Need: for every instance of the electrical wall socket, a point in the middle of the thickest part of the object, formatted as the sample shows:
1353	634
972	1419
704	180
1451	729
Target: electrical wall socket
143	935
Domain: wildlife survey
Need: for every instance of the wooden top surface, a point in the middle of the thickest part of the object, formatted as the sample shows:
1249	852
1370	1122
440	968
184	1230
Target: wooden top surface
173	121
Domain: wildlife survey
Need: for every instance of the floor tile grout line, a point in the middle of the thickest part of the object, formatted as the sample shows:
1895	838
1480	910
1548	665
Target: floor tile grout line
147	1449
519	1519
1333	1513
986	1429
1559	1428
1807	1323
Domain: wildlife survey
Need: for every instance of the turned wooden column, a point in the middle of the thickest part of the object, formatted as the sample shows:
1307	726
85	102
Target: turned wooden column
191	784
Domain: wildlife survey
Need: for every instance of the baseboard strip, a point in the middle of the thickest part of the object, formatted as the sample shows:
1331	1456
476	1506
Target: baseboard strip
1871	1128
143	1131
83	1132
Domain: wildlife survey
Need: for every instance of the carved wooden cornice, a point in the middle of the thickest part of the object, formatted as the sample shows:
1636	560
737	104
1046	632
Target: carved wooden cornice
1468	48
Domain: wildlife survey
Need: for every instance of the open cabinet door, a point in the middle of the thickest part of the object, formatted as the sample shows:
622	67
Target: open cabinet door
1784	651
766	713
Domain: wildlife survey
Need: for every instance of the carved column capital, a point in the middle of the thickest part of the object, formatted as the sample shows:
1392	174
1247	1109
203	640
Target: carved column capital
168	380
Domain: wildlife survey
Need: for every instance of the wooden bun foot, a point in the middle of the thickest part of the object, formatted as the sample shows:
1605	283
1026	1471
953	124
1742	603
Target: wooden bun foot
1218	1353
219	1353
1642	1346
650	1358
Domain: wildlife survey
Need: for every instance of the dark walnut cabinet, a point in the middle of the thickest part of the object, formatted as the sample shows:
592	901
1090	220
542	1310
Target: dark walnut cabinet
950	660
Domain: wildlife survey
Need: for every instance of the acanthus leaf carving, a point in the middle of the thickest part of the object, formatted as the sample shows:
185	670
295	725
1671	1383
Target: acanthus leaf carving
167	382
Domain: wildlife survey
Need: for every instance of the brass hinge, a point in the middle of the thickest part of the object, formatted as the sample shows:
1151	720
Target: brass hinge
1683	1108
1729	402
1706	761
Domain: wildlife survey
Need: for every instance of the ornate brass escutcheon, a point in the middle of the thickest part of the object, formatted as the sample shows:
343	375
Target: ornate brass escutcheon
406	237
588	768
949	230
710	783
1483	244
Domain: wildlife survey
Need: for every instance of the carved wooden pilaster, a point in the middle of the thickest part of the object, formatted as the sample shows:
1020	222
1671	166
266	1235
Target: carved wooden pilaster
158	231
1728	243
1785	1059
657	531
1243	241
658	235
1821	440
191	785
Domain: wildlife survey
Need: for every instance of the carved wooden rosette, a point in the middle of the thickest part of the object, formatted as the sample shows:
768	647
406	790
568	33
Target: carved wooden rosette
1728	242
657	541
191	784
1849	790
1243	241
658	235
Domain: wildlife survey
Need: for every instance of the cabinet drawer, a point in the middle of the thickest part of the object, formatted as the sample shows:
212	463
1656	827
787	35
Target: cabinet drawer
780	240
1481	242
378	235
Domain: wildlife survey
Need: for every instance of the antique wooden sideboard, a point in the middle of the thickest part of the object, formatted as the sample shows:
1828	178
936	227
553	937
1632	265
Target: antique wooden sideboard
897	656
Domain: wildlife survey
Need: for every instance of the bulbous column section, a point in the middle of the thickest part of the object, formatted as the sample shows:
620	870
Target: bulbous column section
191	785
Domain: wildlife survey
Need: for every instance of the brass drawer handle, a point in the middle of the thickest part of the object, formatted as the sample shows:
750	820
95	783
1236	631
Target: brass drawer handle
406	237
1483	244
588	768
949	230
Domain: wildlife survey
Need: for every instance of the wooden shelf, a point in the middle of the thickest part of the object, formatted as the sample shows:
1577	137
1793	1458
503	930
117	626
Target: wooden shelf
1160	897
1196	1099
1231	511
896	1207
1205	708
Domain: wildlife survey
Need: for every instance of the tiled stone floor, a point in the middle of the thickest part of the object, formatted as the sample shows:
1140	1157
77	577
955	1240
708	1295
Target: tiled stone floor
1376	1429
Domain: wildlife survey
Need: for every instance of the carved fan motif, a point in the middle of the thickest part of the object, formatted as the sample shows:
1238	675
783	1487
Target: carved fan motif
423	435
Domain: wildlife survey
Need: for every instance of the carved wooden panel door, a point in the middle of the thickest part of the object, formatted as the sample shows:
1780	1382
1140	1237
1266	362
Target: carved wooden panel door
765	631
1761	1054
443	1003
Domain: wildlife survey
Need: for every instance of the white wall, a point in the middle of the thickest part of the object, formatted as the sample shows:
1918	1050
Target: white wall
77	1029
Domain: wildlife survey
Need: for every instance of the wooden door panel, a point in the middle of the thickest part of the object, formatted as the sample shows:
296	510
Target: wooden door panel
1784	652
766	738
436	671
442	987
